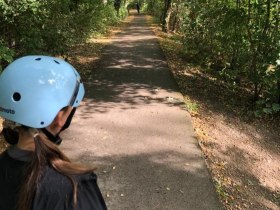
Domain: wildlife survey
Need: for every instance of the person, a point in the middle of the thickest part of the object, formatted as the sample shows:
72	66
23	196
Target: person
38	98
138	8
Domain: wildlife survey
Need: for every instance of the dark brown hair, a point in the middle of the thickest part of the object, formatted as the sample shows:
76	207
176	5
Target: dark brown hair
47	154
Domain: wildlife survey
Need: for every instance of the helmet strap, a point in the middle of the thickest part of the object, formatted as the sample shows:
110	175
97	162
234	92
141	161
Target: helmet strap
56	138
69	120
53	138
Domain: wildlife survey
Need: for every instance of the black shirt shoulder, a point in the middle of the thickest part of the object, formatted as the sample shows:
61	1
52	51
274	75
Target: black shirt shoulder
4	157
55	192
11	178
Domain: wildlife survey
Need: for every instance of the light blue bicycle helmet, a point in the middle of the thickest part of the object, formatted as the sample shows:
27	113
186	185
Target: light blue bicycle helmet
33	89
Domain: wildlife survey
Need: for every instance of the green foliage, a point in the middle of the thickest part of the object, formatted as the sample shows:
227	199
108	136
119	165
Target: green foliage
154	7
266	107
237	41
192	107
49	27
6	54
220	189
104	16
123	12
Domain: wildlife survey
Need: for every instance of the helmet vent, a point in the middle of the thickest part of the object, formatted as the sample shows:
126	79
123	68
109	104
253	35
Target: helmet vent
16	96
56	61
38	59
42	123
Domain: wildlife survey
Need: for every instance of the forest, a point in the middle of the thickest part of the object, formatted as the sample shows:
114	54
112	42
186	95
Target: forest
236	41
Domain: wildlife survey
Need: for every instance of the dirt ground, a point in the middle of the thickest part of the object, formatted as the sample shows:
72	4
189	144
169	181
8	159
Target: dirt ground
242	153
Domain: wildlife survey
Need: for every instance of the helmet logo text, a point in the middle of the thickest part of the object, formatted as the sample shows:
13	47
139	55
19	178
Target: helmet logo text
8	111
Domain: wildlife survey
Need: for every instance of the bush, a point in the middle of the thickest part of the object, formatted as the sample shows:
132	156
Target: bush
49	27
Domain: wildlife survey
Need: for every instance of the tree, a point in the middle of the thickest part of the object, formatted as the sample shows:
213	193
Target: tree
166	15
238	41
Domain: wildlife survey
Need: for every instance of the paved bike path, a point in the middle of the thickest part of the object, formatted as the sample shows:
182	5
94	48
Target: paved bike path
134	127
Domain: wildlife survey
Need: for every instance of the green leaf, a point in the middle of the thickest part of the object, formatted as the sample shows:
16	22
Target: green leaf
276	107
258	113
267	110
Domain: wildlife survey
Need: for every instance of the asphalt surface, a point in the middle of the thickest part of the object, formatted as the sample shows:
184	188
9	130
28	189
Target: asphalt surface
134	127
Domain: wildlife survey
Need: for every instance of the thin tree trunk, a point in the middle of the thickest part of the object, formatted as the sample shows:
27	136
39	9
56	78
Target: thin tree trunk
235	53
276	35
278	90
166	15
253	66
175	20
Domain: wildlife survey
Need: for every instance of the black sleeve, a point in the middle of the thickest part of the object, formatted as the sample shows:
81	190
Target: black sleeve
89	195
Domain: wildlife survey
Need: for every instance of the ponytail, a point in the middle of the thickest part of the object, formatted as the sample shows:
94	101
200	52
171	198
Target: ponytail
47	154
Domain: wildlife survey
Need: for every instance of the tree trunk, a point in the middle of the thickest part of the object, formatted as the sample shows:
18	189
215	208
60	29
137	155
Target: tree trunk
166	15
175	20
253	67
278	90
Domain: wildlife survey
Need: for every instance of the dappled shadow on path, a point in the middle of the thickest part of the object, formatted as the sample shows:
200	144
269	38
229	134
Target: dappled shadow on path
132	72
159	180
147	155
